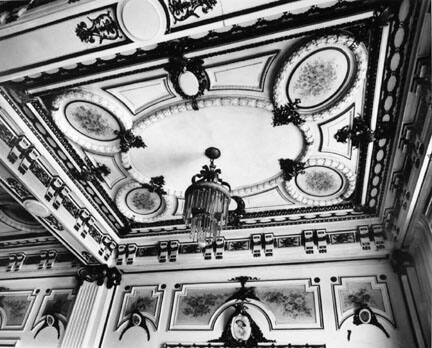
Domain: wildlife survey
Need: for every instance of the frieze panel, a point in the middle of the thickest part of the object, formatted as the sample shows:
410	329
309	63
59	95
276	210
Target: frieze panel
287	304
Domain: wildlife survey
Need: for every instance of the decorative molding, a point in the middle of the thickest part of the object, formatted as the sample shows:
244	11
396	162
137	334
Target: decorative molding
356	55
141	95
62	154
212	39
253	71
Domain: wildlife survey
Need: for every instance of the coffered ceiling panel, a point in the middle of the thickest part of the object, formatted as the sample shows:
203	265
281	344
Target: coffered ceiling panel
301	104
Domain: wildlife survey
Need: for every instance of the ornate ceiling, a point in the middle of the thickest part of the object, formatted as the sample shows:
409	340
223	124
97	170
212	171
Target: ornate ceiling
304	107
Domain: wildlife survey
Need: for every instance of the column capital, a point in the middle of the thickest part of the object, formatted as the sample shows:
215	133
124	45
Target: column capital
98	274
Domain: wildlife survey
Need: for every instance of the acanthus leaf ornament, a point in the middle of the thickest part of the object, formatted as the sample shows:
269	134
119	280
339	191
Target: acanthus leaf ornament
286	114
103	26
290	168
156	184
360	133
128	140
183	9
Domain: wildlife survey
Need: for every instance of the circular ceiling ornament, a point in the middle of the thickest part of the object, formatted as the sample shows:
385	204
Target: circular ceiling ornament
322	75
36	208
141	205
227	122
142	20
90	120
323	182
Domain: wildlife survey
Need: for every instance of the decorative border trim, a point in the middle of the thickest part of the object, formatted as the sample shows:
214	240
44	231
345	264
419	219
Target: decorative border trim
360	55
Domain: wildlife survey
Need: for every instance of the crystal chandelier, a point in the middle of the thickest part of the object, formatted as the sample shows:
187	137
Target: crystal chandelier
207	201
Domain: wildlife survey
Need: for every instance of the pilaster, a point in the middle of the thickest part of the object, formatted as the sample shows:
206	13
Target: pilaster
97	288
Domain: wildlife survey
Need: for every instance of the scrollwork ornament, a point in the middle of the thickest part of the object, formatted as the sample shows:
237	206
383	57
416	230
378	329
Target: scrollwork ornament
182	10
103	27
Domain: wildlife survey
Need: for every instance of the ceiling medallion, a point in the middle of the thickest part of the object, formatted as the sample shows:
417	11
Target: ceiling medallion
91	121
207	201
144	203
321	76
322	182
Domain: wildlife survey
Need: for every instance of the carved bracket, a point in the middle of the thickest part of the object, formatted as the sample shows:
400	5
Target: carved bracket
98	274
